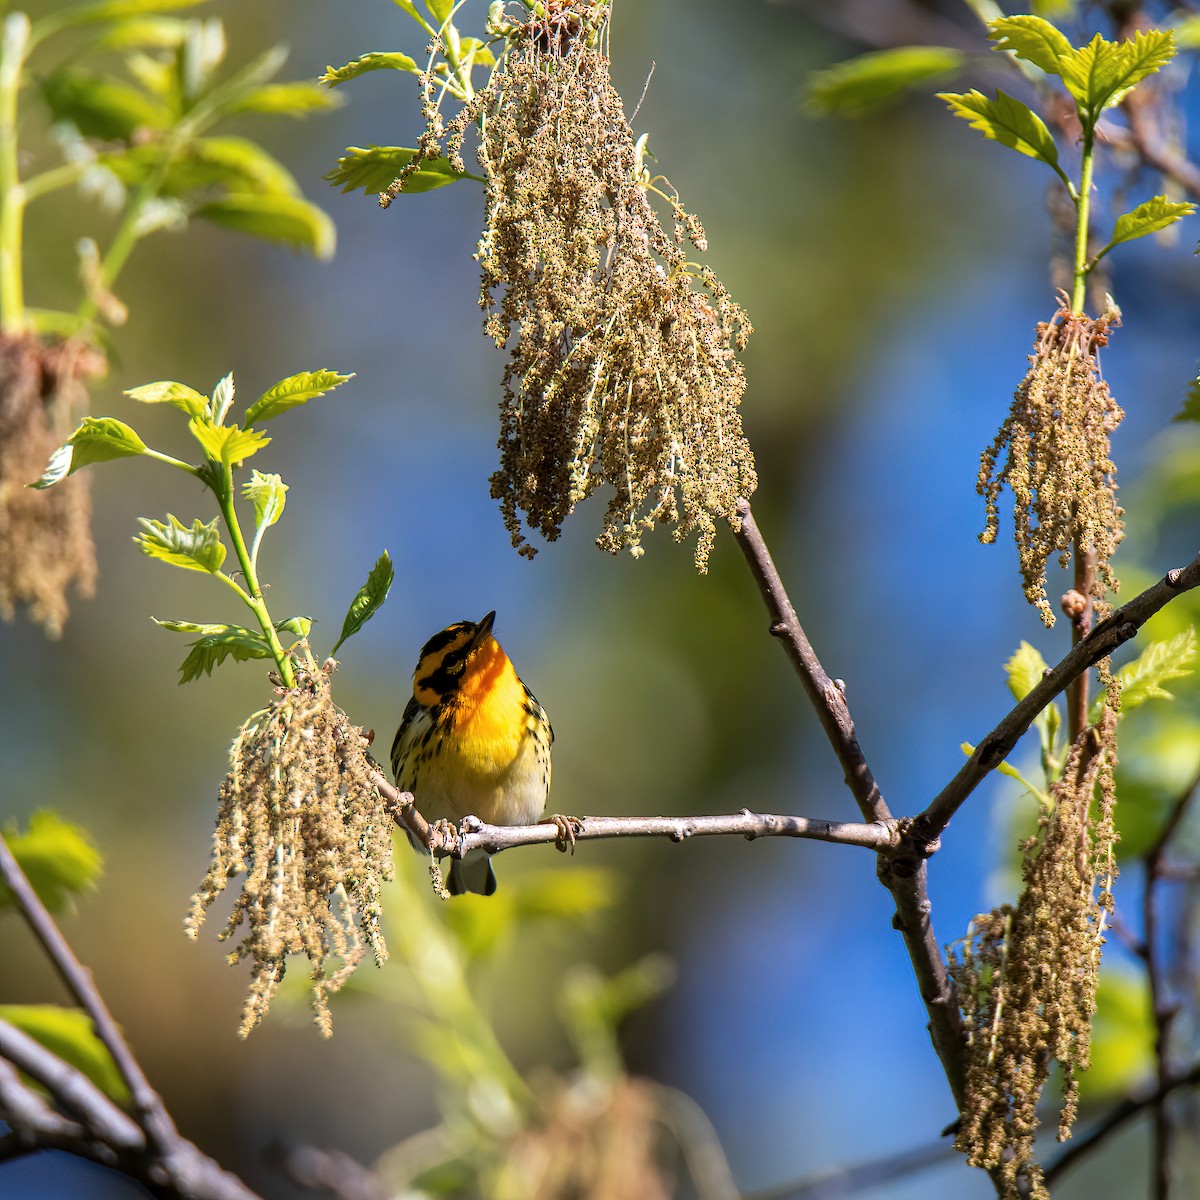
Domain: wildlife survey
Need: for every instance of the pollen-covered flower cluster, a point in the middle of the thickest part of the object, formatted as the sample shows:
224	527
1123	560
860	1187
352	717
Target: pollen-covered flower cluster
45	536
301	820
1058	463
622	363
1027	976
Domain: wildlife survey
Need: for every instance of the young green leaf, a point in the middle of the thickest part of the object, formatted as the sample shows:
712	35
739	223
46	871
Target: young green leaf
58	858
295	99
148	33
69	1034
1102	73
268	494
112	10
374	168
179	395
1025	670
98	439
216	643
222	400
295	390
227	444
1189	412
377	60
300	626
198	549
288	220
1143	678
1148	217
236	164
100	107
440	10
370	597
1033	39
868	81
1007	121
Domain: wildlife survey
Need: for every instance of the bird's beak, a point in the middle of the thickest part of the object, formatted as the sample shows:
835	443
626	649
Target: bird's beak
483	629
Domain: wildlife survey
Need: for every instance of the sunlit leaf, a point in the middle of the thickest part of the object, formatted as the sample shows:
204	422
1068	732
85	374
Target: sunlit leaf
300	626
236	164
369	598
116	10
374	168
179	395
222	399
227	444
1149	217
1033	39
1102	73
69	1034
58	858
158	33
268	494
1005	120
1122	1055
216	643
377	60
98	439
295	390
1024	670
860	84
286	219
101	107
197	549
1144	677
295	99
440	10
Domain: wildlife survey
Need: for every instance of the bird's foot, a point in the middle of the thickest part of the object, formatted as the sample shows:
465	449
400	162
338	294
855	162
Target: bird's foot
568	829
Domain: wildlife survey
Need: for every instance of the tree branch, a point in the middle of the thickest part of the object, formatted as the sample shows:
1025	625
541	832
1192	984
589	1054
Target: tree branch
160	1157
1108	635
880	836
827	695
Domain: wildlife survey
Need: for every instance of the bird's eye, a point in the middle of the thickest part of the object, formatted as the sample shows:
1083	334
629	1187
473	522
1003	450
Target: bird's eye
456	667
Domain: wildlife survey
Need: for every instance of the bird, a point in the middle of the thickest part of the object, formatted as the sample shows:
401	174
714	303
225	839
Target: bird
473	741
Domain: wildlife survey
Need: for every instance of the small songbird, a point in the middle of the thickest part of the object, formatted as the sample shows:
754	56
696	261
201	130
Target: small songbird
473	740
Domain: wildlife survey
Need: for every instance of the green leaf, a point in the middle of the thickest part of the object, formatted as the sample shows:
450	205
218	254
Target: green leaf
57	857
179	395
377	60
288	220
101	107
300	626
295	390
1149	217
374	168
227	444
116	10
1143	678
222	400
1033	39
159	33
1122	1056
367	602
860	84
98	439
236	164
268	494
69	1034
296	99
198	549
1007	121
1191	403
1102	73
1025	670
440	10
215	644
1187	33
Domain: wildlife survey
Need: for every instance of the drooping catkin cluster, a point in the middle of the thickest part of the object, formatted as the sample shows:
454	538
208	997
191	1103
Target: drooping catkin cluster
1027	976
622	363
1058	463
45	536
301	820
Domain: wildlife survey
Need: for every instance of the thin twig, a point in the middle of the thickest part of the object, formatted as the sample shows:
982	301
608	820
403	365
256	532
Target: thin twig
1163	1009
1118	1116
167	1161
1108	636
827	695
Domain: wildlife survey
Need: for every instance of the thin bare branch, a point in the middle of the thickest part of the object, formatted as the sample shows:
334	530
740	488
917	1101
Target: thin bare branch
827	695
880	836
168	1162
1108	636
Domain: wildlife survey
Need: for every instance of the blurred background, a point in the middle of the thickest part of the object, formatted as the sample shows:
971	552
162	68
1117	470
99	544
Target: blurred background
894	269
